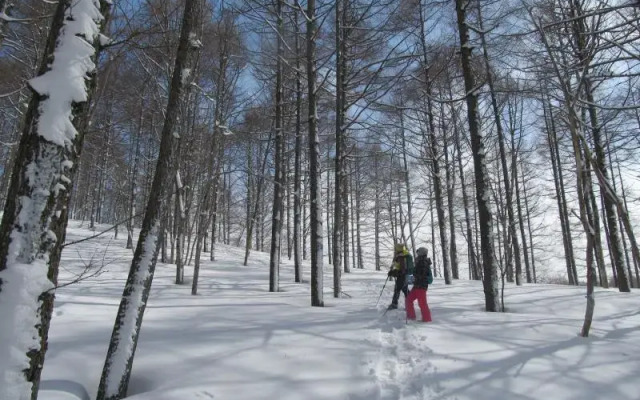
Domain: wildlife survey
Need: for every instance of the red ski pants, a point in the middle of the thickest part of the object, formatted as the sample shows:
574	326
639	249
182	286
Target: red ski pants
421	296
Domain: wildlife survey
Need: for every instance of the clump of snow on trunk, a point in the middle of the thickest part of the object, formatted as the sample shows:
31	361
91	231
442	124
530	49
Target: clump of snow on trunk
65	82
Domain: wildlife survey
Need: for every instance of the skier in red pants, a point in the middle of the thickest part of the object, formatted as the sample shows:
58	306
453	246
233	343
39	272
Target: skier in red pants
422	278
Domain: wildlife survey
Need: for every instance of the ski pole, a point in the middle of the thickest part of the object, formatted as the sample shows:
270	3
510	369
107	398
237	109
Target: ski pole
385	284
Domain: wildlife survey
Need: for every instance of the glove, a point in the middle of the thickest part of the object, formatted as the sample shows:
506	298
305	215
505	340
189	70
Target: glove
393	273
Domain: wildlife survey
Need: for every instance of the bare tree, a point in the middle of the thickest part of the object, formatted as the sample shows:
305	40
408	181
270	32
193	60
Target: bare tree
490	279
314	156
278	189
124	338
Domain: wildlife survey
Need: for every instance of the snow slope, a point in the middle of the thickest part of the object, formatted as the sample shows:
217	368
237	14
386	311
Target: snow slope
235	340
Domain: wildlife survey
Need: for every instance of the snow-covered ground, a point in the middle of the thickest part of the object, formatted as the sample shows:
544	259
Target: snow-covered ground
237	341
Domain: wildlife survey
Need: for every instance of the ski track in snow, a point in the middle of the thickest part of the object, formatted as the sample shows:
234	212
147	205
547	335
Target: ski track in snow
402	368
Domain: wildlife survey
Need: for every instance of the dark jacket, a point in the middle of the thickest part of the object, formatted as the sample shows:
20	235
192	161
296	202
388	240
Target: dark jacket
422	275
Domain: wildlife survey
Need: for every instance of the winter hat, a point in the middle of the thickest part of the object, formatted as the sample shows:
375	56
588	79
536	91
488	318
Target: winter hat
422	251
399	247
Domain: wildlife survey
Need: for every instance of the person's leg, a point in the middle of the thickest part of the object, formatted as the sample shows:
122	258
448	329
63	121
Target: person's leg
411	312
424	307
405	287
396	292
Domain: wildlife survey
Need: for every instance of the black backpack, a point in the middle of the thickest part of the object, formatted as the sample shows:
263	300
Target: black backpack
423	275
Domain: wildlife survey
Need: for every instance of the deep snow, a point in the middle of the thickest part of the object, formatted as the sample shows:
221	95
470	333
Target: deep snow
235	340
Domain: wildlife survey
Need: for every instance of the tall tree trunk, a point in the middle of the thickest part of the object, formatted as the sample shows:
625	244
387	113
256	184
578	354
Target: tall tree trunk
209	200
249	203
515	115
214	221
179	217
529	229
345	219
278	187
511	236
124	338
450	182
490	281
434	155
314	158
473	265
376	212
624	198
329	216
615	247
287	186
132	190
393	217
339	230
407	181
351	218
357	214
560	193
256	210
305	209
297	203
227	214
592	212
36	209
516	188
505	269
433	229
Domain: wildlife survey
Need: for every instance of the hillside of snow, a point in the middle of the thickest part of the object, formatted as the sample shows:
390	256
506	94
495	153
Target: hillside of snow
237	341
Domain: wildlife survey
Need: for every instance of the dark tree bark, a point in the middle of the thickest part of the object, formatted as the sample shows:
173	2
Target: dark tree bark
132	187
594	221
339	229
473	264
560	193
358	195
490	281
329	216
278	187
450	183
529	230
314	157
179	222
297	203
516	113
377	206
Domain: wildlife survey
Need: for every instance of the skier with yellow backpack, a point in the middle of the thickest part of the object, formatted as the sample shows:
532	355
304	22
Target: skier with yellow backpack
401	268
